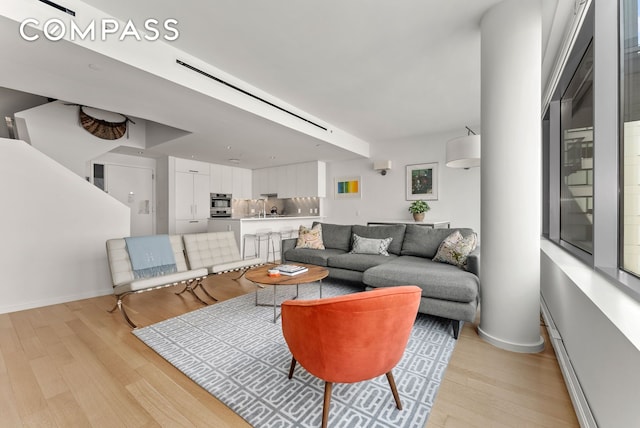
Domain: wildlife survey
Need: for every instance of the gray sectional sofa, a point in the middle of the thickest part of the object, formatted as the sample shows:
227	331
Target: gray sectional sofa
447	291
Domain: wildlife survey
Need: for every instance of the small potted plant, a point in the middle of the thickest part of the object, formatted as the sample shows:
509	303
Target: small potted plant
418	208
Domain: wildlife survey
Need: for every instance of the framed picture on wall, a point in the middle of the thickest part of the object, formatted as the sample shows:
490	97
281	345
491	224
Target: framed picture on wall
347	188
422	182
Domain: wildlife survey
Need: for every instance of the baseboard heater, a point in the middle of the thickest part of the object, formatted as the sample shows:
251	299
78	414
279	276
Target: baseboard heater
230	85
580	404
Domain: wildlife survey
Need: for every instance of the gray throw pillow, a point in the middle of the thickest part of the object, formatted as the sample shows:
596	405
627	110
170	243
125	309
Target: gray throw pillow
370	246
395	231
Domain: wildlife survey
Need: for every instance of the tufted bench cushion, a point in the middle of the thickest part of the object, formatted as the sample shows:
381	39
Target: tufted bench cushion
216	251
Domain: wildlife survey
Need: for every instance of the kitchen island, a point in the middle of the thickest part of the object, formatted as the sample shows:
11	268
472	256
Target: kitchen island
254	224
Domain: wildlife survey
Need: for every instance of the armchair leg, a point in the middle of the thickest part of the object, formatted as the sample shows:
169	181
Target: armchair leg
292	367
394	390
327	402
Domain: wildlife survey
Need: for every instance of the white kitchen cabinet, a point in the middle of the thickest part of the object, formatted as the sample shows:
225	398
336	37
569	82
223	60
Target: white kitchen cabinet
191	166
221	178
191	196
306	179
259	181
287	177
310	179
191	226
241	183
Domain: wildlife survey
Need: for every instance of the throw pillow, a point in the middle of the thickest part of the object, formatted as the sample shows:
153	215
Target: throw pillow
370	246
455	249
310	238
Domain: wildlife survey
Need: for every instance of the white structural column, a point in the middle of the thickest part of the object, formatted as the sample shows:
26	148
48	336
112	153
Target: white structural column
511	93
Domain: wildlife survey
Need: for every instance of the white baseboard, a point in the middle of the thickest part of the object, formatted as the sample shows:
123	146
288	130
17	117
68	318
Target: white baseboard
53	301
580	404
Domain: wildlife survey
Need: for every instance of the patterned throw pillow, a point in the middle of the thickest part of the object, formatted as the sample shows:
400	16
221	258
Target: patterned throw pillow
455	249
370	246
310	238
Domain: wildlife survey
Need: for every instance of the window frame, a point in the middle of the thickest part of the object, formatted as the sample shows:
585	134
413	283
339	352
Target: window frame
605	21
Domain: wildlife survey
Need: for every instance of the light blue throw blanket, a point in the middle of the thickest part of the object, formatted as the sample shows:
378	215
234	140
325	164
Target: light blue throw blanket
151	255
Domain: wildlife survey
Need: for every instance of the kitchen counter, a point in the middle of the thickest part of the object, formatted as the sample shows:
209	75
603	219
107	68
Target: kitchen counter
249	225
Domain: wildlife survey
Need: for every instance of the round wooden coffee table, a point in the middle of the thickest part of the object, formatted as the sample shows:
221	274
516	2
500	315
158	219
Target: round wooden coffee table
260	277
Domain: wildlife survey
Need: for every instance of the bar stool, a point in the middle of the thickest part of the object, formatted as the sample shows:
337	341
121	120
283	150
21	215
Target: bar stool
273	236
258	237
282	234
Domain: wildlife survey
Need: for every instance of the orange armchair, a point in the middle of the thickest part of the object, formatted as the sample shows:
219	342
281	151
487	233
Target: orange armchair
350	338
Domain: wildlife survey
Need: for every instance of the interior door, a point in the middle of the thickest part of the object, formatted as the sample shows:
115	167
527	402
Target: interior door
133	186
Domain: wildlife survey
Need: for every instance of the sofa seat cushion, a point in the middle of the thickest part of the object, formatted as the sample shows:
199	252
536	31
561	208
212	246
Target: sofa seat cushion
358	262
437	280
311	256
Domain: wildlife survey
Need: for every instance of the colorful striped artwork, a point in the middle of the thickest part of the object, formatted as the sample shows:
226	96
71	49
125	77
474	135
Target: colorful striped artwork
352	186
347	187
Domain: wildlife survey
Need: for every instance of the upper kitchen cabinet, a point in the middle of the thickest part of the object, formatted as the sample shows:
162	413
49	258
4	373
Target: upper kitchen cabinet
191	166
231	180
221	178
311	179
290	181
241	183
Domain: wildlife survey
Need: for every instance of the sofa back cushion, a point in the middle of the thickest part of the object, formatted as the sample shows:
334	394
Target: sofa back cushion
336	236
395	231
423	241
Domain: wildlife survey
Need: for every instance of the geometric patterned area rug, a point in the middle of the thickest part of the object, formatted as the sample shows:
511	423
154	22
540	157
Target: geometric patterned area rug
234	351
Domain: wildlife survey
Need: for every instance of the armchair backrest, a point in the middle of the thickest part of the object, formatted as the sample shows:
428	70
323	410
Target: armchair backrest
353	337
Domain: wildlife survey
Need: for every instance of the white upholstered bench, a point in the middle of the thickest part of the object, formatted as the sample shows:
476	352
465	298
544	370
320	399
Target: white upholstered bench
125	283
217	252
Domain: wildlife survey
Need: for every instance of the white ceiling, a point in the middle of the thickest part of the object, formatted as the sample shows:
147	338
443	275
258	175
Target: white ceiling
380	70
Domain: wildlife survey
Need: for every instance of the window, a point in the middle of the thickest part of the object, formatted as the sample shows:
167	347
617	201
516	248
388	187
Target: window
630	138
576	184
591	145
568	150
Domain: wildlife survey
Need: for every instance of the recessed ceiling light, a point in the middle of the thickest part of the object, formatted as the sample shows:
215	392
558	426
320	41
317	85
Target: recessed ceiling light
272	157
228	147
234	160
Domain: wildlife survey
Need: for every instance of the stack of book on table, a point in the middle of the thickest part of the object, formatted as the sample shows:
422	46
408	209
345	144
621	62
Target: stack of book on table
291	269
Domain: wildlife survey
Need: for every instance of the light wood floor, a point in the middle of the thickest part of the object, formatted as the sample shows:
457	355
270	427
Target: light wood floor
75	365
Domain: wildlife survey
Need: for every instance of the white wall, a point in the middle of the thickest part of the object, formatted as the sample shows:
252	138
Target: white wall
600	329
55	130
54	226
12	101
384	197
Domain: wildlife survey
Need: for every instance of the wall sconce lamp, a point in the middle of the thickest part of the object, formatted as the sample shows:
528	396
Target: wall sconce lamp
464	152
382	166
